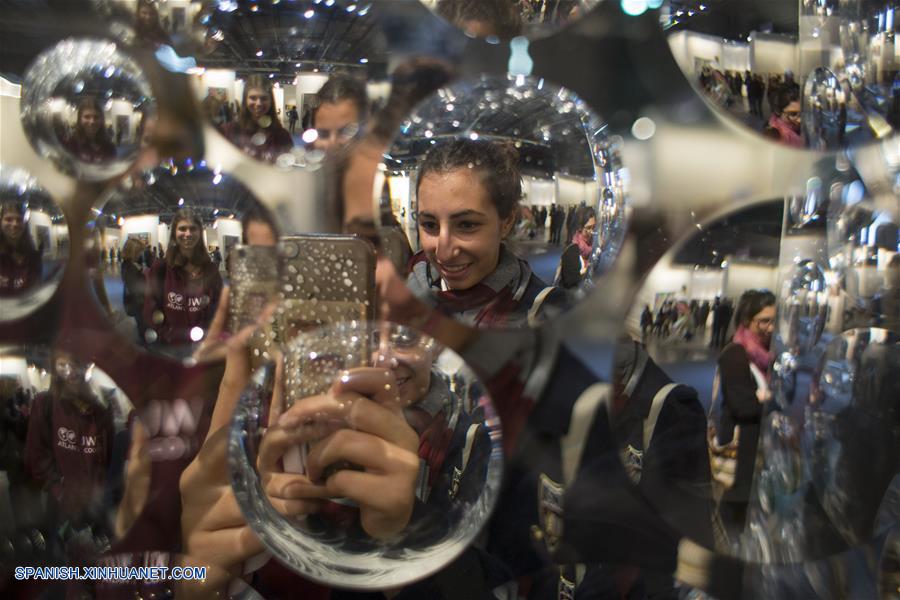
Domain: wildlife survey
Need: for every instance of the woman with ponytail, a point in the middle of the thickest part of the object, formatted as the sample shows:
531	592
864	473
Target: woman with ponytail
468	197
743	368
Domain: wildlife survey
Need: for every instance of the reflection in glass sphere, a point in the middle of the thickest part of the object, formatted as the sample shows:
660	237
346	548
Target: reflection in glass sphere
292	80
499	20
64	424
825	112
852	438
550	172
373	519
863	244
685	318
34	244
146	23
812	74
803	307
178	222
85	106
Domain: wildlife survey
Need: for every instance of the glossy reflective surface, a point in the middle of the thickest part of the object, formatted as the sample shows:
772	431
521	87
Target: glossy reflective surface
288	81
165	239
34	244
543	184
67	434
497	20
812	74
85	107
341	494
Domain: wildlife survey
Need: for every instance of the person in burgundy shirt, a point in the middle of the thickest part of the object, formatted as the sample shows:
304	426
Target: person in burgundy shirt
183	288
68	447
257	130
20	261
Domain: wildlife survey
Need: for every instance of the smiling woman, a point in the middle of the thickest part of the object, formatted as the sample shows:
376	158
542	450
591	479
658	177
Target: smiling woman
468	200
258	130
183	289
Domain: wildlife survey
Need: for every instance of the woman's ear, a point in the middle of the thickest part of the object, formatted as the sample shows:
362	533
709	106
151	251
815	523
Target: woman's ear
507	224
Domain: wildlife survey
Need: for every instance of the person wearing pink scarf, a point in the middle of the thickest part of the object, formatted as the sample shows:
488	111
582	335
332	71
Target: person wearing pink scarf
784	124
743	366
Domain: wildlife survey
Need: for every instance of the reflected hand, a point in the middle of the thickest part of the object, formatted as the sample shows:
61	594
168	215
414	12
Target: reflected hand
218	343
291	494
213	528
380	442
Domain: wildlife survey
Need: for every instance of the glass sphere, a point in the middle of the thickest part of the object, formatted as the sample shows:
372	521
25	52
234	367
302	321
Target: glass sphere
367	456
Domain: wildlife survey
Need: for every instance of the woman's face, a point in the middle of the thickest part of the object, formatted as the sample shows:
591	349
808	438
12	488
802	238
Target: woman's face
588	229
69	370
90	121
763	324
187	236
335	123
13	225
146	15
260	234
459	227
259	102
791	115
410	361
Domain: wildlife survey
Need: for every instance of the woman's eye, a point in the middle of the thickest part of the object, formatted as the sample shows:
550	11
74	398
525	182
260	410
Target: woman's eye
468	225
428	226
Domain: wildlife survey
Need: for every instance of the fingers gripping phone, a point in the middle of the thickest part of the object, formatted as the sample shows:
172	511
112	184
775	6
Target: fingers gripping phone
326	279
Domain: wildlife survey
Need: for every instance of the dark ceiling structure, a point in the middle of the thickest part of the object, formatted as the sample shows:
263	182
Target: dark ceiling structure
549	126
735	19
158	193
749	235
282	39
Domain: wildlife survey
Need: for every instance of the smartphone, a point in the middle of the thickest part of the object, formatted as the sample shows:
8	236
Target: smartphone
253	273
326	279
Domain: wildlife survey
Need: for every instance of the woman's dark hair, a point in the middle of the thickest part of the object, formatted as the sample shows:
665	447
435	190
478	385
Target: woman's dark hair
751	303
245	119
25	245
174	257
583	214
152	32
132	250
784	96
342	87
257	214
496	162
502	15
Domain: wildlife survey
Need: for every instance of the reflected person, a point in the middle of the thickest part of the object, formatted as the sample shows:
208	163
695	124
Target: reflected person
258	130
89	141
483	18
134	283
784	123
147	25
20	261
183	288
69	445
407	443
743	368
468	197
342	107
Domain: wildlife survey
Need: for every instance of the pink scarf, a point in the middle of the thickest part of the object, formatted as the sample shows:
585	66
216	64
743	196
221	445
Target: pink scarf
584	245
758	354
786	132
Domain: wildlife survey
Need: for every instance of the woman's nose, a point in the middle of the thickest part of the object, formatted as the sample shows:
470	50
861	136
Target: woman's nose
446	246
